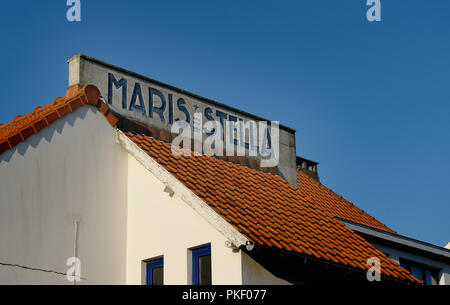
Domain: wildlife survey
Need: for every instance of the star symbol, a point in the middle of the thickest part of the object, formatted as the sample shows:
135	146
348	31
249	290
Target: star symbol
196	107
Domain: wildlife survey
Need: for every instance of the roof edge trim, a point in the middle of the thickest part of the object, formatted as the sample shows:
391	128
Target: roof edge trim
25	126
179	189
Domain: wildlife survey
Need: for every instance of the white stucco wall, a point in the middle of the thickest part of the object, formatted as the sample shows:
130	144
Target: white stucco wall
160	225
73	170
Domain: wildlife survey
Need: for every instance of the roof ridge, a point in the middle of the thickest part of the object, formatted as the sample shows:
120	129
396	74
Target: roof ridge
192	154
166	137
24	126
18	118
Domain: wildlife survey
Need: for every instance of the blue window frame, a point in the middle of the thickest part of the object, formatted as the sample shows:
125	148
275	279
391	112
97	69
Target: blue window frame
155	272
201	266
425	274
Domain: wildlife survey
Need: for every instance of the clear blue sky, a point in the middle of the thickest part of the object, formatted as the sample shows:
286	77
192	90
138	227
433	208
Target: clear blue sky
369	101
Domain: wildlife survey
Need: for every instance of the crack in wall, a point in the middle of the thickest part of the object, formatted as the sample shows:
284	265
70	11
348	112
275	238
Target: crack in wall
36	269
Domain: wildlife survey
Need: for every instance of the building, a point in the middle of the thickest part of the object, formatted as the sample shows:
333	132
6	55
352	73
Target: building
90	183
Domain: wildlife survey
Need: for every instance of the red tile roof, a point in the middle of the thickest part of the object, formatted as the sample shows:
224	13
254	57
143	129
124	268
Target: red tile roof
268	210
334	204
262	206
22	127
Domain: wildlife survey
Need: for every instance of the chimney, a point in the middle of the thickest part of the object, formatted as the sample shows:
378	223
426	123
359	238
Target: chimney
308	167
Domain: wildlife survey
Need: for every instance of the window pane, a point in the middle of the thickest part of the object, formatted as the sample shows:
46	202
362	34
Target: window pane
417	272
431	277
204	270
155	272
158	276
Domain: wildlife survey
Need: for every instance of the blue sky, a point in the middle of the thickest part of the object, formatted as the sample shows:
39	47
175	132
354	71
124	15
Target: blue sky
369	101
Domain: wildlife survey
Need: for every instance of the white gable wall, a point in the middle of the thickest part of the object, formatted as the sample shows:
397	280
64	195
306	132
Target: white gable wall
160	225
73	170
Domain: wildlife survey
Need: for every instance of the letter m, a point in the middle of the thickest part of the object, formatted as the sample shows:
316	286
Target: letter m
112	81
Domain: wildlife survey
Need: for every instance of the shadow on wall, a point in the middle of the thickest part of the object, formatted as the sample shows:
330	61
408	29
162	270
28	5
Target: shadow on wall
48	132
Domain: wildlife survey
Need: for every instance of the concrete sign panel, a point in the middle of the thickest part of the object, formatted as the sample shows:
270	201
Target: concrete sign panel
162	106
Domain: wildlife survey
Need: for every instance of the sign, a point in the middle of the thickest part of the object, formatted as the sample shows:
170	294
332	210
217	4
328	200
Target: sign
161	106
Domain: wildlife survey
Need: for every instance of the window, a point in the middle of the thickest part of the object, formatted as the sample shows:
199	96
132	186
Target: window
427	275
201	266
155	272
